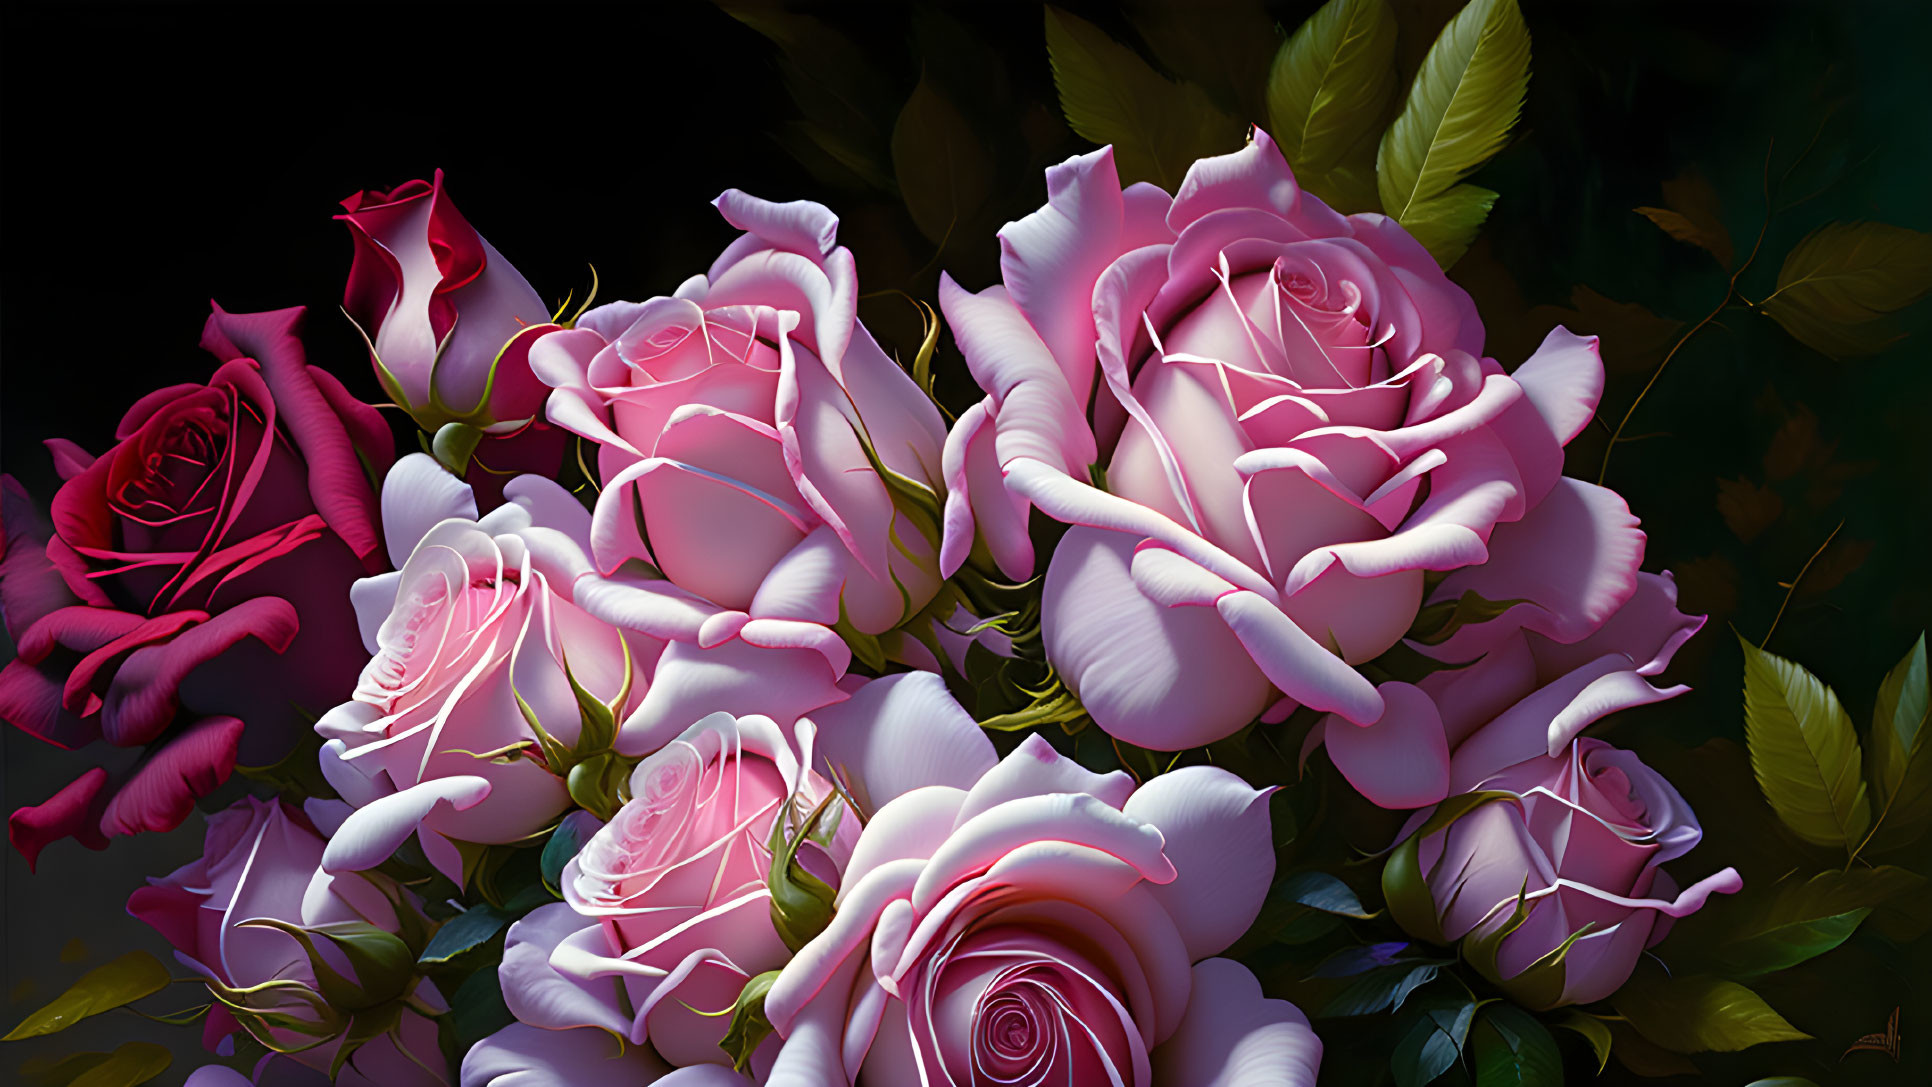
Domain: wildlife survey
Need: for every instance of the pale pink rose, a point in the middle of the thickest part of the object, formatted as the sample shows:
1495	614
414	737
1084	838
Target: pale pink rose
1525	695
730	419
1045	924
669	904
479	613
524	1056
1580	847
1295	422
262	860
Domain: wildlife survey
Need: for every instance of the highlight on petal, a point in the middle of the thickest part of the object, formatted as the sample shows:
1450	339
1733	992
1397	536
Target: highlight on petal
1218	835
368	837
1232	1036
1401	759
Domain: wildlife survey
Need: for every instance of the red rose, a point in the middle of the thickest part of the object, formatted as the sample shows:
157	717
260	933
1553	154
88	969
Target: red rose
192	578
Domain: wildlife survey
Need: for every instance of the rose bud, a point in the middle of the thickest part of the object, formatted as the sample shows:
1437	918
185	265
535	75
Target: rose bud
317	967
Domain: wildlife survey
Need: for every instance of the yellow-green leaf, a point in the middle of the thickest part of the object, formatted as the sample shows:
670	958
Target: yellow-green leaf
1901	774
1839	284
1111	96
104	988
1447	224
942	170
1695	1014
1803	751
1593	1031
1459	112
131	1064
1329	90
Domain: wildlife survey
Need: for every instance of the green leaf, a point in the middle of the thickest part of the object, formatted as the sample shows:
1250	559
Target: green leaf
1513	1049
466	930
1901	777
1804	752
104	988
132	1063
1330	89
477	1009
59	1072
1111	96
1459	112
1832	893
1774	942
1224	48
1324	892
1383	989
1433	1040
563	845
1593	1031
1696	1013
1840	284
944	173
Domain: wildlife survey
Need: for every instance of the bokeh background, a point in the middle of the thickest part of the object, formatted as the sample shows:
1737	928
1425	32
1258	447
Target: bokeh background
158	155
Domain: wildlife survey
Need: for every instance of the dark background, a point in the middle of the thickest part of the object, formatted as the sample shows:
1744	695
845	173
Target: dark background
160	155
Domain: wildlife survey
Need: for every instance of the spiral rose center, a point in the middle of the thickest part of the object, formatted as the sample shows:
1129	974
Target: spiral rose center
170	478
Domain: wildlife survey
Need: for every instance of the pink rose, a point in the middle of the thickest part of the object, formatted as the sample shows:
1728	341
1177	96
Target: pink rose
1045	924
195	575
731	422
261	861
1525	695
524	1056
1577	851
476	629
669	905
1295	422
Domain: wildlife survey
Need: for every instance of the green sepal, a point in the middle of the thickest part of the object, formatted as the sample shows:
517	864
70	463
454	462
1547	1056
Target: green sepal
801	903
384	966
1438	622
453	445
748	1027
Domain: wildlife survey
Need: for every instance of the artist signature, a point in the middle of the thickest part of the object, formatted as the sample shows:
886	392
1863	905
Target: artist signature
1885	1042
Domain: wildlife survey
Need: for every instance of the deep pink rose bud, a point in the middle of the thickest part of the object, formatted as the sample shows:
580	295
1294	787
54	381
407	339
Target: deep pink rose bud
238	917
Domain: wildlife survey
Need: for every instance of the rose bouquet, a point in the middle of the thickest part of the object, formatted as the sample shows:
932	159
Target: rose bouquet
1185	647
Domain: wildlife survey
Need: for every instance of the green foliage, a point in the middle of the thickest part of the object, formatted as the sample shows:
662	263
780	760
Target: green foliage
1432	1039
1329	94
1513	1049
453	446
476	1009
1696	1013
1839	286
1458	114
1111	96
1321	891
1777	942
1592	1030
1383	977
1901	775
1438	622
131	1063
1804	752
943	176
104	988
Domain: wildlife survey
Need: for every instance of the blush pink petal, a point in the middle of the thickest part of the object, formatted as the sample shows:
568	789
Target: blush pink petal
1400	760
1160	677
417	494
900	733
1040	413
736	677
368	837
977	498
1234	1037
540	995
1574	558
1051	259
1035	769
521	1055
1216	832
